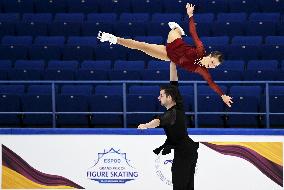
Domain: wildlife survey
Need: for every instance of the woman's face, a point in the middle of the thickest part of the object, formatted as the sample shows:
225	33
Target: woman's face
212	62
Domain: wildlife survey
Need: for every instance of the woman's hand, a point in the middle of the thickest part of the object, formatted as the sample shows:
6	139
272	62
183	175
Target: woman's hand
227	100
142	126
189	9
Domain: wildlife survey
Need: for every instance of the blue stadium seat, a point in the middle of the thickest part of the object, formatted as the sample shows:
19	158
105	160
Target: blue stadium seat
144	90
55	64
7	23
228	28
155	74
269	17
103	51
9	17
158	28
274	40
12	89
271	6
91	74
49	40
108	90
134	17
226	75
207	91
186	90
216	105
5	66
262	65
60	70
243	6
82	41
45	52
247	40
231	17
32	28
77	52
254	91
124	75
15	6
174	6
86	90
59	28
272	52
203	18
166	17
101	65
243	52
244	103
102	17
91	28
146	6
69	17
106	103
58	74
118	6
222	40
153	64
26	70
215	6
263	28
37	103
12	52
72	103
131	29
47	6
10	102
235	65
17	40
140	103
37	17
79	6
129	65
41	89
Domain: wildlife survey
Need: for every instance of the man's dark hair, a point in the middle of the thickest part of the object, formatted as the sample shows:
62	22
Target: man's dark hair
171	90
218	55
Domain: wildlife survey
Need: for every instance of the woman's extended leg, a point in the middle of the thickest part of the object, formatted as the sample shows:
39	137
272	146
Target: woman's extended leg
154	50
174	34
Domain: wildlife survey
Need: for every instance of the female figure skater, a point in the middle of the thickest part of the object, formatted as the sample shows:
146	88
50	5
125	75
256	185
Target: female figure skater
191	58
173	122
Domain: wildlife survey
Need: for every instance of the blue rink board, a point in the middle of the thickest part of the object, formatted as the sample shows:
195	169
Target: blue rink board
122	131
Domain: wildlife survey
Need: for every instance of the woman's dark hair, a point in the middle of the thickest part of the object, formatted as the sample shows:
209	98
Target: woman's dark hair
171	90
218	55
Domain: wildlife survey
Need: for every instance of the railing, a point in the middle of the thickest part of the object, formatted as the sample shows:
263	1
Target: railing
267	113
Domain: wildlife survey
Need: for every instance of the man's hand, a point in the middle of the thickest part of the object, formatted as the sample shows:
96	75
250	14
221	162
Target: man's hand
142	126
227	100
189	9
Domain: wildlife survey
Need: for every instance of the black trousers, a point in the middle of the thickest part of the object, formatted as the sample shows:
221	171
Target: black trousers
183	169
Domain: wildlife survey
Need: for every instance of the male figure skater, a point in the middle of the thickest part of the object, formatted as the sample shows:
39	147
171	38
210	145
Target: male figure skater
173	122
191	58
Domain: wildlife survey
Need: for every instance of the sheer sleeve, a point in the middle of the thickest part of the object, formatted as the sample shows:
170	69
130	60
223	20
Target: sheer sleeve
206	75
168	118
179	102
197	42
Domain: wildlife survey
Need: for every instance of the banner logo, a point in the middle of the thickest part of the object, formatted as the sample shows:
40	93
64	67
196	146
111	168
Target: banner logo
112	166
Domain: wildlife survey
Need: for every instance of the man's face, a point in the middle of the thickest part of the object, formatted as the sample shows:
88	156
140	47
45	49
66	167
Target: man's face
163	98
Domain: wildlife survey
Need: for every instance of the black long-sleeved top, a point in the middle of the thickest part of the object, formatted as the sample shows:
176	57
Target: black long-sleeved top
174	125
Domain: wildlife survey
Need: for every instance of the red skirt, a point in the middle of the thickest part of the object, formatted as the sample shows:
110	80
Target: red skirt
182	54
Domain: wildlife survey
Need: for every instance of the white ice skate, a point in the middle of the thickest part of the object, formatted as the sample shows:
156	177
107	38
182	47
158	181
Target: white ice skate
174	25
106	37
